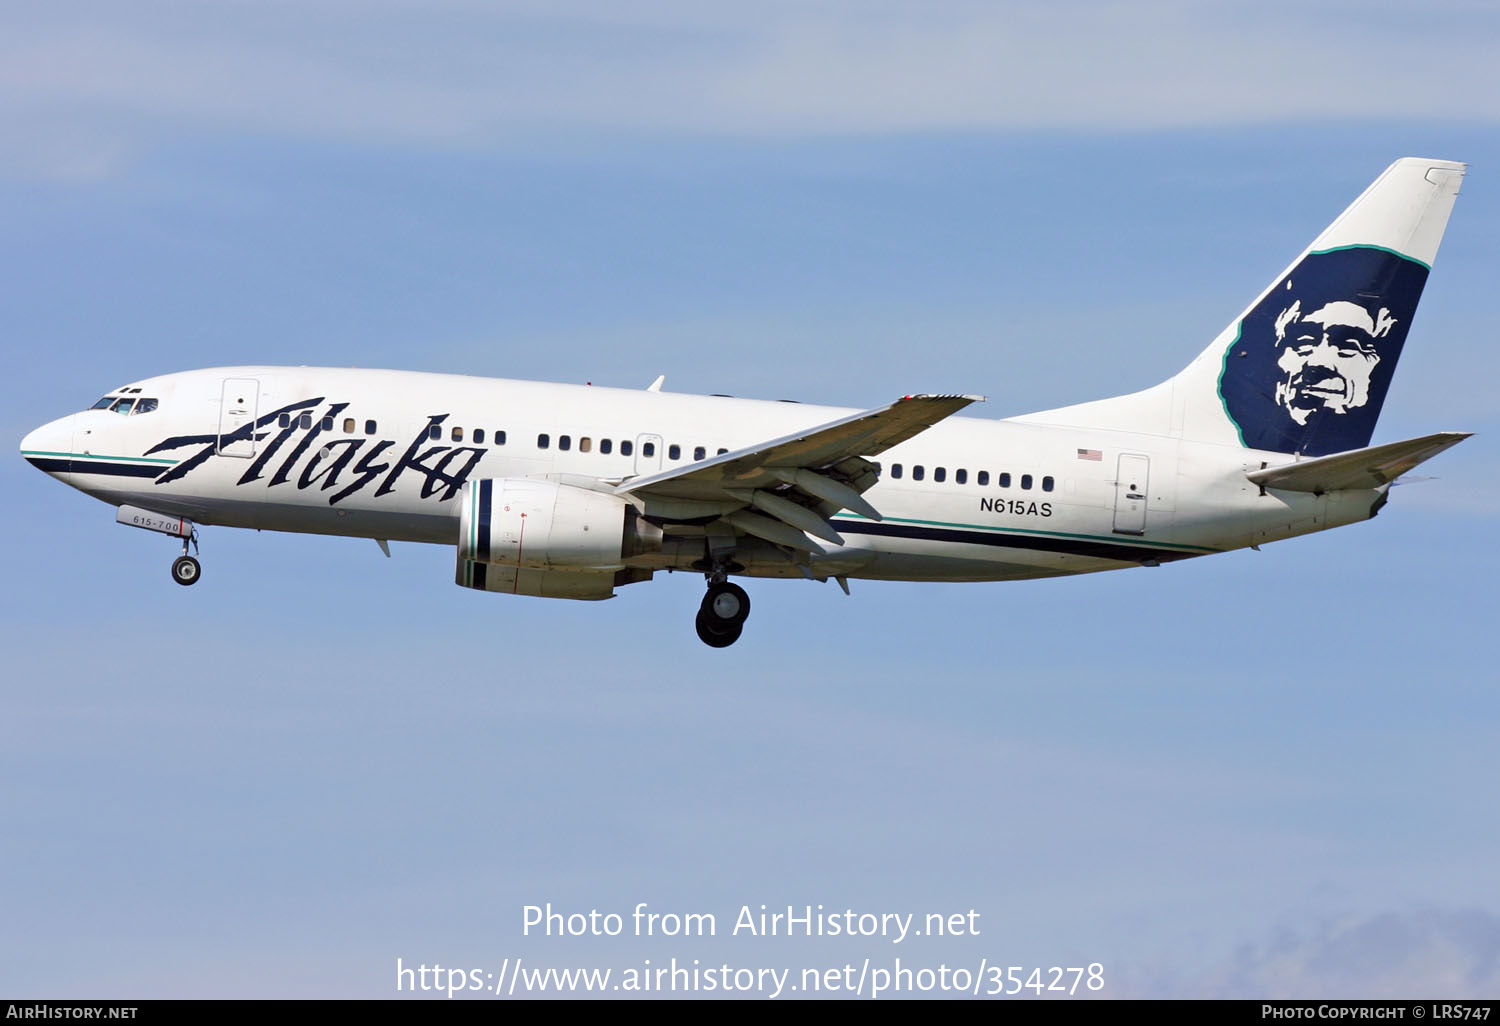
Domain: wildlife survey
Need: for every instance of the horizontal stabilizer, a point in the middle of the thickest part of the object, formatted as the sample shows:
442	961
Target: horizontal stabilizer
1358	469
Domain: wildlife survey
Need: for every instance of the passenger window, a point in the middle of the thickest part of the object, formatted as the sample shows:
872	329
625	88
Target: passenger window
122	406
605	445
542	441
499	437
700	453
982	478
627	447
565	442
284	421
348	425
1026	481
1004	480
722	451
585	444
916	472
896	471
457	434
479	436
939	473
435	433
674	452
1046	484
961	476
327	423
648	449
369	427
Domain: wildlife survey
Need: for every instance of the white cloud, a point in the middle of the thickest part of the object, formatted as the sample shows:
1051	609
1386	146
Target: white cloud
1426	953
492	75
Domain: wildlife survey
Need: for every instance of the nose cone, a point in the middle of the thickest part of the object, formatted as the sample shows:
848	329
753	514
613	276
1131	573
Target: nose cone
50	447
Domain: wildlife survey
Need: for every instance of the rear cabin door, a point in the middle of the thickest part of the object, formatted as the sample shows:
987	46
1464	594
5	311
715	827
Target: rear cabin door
1131	485
237	409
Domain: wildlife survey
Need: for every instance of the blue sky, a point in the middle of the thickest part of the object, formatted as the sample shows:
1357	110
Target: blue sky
1261	773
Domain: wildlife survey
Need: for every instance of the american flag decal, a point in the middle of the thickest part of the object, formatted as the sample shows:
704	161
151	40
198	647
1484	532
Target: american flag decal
1090	454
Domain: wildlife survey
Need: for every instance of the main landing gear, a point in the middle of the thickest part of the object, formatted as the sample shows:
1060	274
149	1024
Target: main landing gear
185	569
723	613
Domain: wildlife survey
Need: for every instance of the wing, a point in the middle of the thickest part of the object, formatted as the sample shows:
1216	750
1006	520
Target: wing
796	482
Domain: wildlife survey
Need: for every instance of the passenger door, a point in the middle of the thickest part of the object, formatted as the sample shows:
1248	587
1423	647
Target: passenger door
239	401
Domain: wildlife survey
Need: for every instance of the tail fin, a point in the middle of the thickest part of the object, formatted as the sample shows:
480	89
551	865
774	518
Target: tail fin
1306	367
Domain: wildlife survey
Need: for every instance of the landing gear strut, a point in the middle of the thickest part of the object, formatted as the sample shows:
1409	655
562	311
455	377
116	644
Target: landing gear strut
722	615
185	569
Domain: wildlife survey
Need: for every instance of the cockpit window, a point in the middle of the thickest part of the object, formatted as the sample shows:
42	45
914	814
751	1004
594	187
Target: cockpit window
122	406
103	404
144	405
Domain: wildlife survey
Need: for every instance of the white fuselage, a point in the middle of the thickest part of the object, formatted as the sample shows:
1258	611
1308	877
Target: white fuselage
383	454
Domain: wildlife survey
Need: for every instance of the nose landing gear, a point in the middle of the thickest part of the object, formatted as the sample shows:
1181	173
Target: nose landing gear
722	615
185	569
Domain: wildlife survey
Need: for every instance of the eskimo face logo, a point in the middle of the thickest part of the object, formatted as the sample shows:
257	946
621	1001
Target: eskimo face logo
1328	356
1313	359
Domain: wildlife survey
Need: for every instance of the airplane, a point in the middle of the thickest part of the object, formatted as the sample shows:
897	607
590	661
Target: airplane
572	491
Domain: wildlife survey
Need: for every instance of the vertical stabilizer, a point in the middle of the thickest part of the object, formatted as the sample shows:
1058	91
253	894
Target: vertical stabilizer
1305	368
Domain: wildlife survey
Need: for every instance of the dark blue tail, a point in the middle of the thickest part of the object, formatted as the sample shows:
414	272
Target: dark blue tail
1314	358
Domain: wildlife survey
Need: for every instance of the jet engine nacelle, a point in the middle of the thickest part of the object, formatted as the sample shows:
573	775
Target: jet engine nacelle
543	525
